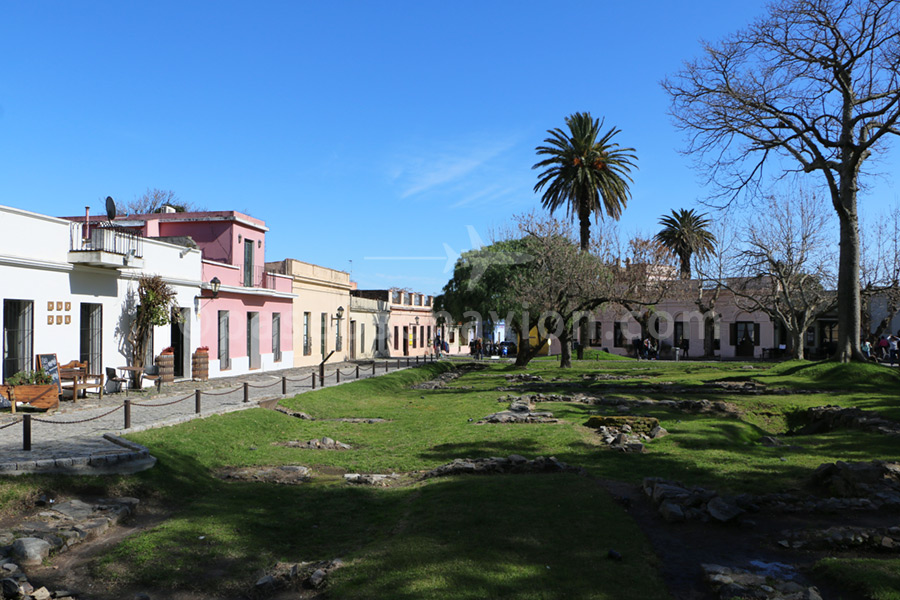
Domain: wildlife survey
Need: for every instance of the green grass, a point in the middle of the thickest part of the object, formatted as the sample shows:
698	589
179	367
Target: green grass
872	578
468	537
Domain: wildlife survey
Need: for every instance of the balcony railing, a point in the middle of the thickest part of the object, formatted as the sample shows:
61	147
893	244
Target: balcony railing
257	277
113	240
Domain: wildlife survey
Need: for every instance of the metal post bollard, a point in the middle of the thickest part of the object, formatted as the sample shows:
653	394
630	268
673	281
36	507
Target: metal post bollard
283	385
337	375
322	374
127	414
407	362
246	392
197	394
313	375
386	367
26	433
357	371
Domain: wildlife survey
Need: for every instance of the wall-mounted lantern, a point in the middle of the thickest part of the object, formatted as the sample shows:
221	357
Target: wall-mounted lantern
214	286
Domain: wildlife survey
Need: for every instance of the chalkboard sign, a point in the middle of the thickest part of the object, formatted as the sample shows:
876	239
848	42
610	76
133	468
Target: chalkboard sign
48	364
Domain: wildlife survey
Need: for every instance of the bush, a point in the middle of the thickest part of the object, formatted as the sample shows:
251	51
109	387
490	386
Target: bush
30	378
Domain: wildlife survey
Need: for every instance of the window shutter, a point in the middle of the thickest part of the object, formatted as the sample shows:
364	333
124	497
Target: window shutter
756	334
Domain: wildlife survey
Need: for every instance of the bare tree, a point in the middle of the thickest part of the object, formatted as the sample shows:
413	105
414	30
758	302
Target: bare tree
786	265
880	271
152	201
813	85
560	283
712	270
648	276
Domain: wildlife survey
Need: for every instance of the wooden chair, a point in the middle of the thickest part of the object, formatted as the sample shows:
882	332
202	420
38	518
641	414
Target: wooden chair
122	381
74	376
152	373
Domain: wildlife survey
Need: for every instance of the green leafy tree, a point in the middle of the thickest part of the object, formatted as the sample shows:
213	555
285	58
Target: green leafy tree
586	172
480	287
155	303
686	233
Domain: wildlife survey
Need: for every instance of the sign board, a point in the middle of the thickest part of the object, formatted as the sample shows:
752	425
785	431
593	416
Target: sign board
49	365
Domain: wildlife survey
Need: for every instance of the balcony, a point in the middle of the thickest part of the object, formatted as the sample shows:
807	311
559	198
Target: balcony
107	246
257	277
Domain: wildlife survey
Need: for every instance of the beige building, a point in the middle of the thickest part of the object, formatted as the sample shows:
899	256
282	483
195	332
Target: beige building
368	321
411	326
321	311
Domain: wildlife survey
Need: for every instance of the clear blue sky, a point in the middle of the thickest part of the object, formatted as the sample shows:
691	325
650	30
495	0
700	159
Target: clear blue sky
354	129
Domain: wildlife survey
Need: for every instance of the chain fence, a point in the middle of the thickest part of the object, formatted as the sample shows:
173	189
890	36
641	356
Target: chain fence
126	405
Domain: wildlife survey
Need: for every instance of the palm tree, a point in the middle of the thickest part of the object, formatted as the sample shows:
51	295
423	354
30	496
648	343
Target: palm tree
686	233
587	174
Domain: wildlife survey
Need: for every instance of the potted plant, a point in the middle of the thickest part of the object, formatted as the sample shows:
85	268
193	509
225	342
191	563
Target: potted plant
168	350
33	387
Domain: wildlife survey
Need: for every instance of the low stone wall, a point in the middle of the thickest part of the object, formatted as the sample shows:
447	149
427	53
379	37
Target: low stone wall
499	465
820	419
55	529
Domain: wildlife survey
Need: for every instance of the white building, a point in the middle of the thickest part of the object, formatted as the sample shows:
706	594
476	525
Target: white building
72	292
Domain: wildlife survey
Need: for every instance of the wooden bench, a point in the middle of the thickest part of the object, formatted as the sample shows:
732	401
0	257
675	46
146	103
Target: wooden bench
74	376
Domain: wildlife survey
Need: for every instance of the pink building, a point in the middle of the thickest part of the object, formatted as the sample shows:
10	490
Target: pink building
245	312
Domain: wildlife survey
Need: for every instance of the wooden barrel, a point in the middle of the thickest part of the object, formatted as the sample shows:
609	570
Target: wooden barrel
166	364
200	366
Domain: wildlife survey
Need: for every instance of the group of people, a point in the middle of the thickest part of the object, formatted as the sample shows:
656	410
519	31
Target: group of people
646	349
479	349
882	349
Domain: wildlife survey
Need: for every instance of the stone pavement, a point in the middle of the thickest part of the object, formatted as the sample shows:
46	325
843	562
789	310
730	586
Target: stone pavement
84	436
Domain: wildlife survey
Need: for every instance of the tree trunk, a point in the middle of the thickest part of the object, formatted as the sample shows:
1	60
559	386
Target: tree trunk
848	280
797	350
565	352
709	337
583	334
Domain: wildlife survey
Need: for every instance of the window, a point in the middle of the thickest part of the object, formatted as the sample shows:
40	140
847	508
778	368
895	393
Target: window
224	350
412	336
421	335
377	336
18	336
452	336
598	334
678	338
618	335
745	332
324	337
248	263
418	299
276	337
429	334
253	340
307	342
407	299
396	338
338	341
91	340
362	337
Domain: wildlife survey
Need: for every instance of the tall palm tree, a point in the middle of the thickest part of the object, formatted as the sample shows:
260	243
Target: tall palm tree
585	171
686	233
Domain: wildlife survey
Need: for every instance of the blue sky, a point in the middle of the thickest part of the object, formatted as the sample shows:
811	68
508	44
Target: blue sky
354	129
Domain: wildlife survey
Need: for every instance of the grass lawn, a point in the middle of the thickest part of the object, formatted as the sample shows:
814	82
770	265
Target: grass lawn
535	536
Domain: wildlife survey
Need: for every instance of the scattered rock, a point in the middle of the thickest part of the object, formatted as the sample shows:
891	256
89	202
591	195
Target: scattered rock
722	510
292	413
497	465
769	581
371	479
324	443
287	474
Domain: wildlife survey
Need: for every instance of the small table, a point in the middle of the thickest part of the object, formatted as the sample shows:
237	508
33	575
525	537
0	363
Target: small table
136	374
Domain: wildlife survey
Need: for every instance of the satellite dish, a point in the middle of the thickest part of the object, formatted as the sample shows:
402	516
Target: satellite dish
110	208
